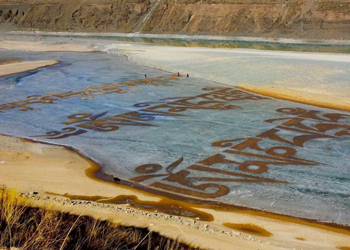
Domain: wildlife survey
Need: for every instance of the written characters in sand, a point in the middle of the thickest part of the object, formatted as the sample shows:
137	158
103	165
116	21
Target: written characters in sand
215	99
251	156
102	89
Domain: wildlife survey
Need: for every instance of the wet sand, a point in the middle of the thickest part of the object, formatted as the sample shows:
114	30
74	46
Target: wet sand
311	78
14	67
216	65
65	180
320	100
43	47
10	67
66	174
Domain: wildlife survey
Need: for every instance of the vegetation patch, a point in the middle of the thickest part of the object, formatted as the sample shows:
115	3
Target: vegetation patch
26	227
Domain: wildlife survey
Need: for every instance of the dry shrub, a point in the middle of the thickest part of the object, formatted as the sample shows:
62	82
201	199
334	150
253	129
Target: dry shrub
30	228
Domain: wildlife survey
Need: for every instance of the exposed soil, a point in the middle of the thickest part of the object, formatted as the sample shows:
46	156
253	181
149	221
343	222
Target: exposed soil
316	19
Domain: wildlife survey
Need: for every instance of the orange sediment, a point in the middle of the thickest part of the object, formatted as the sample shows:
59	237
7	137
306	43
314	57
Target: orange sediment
343	248
249	228
190	204
164	205
187	204
298	96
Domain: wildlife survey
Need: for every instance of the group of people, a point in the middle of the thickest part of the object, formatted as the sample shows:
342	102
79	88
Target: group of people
178	74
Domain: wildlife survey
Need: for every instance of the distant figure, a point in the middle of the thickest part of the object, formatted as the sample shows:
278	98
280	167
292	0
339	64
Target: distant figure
188	75
178	73
145	76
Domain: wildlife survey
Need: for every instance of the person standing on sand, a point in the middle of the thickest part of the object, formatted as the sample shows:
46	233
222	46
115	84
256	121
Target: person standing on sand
188	75
145	76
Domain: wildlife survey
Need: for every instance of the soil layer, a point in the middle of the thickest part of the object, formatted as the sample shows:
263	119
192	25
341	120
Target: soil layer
309	19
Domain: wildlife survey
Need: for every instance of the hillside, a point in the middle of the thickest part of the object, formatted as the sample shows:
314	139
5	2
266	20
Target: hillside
317	19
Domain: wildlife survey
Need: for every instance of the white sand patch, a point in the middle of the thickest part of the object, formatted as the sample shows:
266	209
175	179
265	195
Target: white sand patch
43	47
18	67
311	73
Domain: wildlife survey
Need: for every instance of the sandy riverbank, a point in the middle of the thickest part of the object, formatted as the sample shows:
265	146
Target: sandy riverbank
40	46
22	164
197	37
16	66
318	79
19	67
320	100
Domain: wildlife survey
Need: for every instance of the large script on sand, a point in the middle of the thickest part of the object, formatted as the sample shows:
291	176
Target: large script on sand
184	136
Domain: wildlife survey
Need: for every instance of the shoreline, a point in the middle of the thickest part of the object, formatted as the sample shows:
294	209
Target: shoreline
16	67
225	214
181	37
316	94
32	217
199	41
40	46
298	96
94	172
328	99
101	185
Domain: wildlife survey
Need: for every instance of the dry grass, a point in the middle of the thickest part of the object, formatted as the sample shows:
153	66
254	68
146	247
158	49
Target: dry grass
27	228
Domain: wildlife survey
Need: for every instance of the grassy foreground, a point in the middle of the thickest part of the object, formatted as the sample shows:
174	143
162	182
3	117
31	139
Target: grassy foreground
27	227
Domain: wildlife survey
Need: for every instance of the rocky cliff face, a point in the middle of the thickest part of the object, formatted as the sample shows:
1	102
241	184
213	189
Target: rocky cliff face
328	19
73	15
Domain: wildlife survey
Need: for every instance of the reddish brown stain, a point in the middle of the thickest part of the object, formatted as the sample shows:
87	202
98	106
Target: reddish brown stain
343	248
166	206
249	229
94	173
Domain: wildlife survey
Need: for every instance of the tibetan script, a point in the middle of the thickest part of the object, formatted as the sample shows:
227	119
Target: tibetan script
248	158
216	99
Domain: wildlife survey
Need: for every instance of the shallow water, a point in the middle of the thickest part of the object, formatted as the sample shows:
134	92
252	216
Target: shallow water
206	41
167	133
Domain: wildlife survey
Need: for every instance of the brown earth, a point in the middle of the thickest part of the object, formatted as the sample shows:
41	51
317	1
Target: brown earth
318	19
